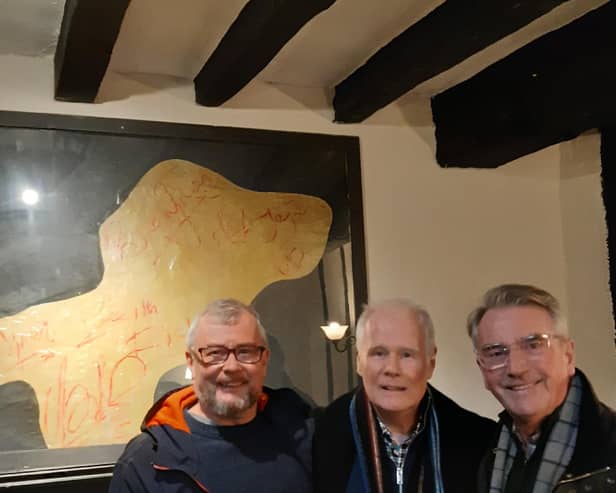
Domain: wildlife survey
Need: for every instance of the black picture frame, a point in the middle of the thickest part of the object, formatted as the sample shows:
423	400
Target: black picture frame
337	180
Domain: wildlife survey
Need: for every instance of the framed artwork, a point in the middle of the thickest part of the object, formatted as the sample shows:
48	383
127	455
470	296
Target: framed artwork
114	234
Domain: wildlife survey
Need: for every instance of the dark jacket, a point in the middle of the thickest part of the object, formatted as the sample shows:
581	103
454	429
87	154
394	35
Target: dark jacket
163	458
595	448
464	437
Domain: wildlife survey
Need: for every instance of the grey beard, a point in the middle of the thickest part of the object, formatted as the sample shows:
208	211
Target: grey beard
229	409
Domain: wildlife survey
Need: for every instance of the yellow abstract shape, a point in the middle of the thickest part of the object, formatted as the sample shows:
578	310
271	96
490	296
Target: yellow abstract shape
184	237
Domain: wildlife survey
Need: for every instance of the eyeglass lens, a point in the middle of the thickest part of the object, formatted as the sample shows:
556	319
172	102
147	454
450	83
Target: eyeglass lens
220	354
495	355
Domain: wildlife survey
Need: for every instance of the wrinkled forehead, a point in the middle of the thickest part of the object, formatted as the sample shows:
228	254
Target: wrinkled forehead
393	327
241	329
511	323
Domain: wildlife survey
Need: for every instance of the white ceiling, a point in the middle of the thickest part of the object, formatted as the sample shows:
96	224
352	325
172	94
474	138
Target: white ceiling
176	37
30	27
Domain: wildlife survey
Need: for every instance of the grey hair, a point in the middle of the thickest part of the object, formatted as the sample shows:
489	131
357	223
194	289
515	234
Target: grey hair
507	295
425	321
225	311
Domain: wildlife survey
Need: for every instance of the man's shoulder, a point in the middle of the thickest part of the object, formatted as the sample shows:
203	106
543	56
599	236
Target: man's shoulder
337	408
450	412
287	400
597	421
140	448
289	412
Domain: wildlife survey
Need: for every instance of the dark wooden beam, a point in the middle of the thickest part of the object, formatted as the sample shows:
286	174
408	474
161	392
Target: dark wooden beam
450	33
608	182
261	29
551	90
87	36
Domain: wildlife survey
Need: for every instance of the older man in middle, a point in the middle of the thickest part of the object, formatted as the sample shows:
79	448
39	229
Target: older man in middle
395	432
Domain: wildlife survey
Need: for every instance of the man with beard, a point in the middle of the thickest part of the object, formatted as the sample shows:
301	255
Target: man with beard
226	432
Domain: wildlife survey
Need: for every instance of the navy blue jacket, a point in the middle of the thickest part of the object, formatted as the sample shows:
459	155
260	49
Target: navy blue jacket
464	437
164	457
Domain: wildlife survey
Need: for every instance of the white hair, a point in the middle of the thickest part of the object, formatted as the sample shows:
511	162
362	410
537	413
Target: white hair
423	317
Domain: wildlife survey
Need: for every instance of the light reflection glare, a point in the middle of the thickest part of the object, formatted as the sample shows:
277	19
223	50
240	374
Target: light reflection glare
30	197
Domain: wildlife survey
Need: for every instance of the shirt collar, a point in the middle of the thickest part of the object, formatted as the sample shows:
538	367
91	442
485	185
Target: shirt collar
424	407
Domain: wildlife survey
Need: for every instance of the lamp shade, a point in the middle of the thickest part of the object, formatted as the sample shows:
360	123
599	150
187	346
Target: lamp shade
334	331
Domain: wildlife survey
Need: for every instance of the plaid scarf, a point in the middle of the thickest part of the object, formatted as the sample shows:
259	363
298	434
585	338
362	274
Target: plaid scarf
558	449
367	468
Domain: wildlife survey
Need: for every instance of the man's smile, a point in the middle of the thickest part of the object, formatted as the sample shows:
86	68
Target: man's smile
393	388
521	387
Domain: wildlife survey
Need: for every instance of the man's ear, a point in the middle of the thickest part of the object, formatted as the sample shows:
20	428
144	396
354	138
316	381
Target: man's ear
570	355
265	357
432	361
358	364
189	360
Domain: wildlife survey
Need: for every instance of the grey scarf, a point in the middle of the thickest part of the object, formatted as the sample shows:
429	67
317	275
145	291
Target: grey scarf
558	449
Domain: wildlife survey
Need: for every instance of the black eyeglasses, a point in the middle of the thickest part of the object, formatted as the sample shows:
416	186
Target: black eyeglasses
245	353
534	347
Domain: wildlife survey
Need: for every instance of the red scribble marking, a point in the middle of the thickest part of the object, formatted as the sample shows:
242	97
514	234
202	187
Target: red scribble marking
144	247
3	336
168	340
89	339
178	206
61	399
19	344
206	182
44	355
134	354
136	333
117	317
99	414
27	358
20	340
171	239
294	261
83	406
240	234
155	223
70	443
186	220
148	307
277	218
46	411
47	355
118	246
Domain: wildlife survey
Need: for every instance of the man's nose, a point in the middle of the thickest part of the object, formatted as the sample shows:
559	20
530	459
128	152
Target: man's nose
517	361
392	364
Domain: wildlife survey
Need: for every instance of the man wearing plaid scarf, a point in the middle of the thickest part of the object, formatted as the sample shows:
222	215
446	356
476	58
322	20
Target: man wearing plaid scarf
554	434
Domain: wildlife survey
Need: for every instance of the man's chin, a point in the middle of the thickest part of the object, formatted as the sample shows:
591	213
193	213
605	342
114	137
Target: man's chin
231	405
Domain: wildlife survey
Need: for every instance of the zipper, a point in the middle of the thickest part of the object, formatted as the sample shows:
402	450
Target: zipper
587	475
400	476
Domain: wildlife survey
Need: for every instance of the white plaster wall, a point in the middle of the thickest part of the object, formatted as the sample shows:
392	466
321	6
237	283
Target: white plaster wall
439	236
586	259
